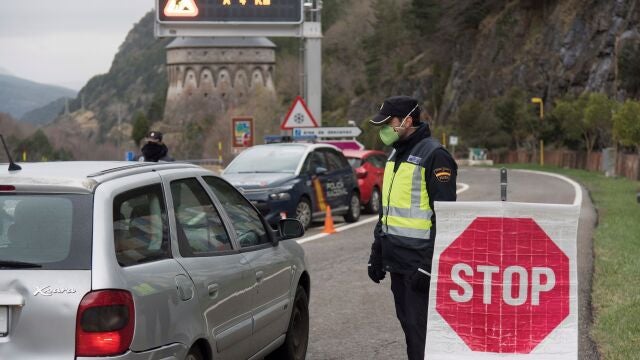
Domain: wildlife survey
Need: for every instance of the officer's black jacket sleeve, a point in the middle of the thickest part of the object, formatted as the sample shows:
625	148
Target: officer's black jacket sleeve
376	247
441	180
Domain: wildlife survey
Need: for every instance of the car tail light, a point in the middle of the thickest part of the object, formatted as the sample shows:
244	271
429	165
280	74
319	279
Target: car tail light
7	188
105	323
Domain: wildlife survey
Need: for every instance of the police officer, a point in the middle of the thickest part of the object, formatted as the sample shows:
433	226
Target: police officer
154	150
419	171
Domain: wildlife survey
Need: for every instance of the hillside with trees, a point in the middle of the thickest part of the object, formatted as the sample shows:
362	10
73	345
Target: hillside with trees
474	65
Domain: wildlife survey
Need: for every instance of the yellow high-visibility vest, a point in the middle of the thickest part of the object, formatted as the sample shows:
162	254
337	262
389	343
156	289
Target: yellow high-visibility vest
405	202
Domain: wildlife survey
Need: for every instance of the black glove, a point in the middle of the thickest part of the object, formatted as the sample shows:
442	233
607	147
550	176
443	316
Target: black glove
375	269
420	280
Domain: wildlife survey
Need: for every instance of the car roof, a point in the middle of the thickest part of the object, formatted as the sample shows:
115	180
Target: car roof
362	153
77	176
311	146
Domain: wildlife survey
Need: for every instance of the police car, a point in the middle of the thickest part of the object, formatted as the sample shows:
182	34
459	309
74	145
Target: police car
296	180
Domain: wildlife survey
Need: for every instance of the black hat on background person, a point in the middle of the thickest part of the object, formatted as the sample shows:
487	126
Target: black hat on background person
397	106
155	136
155	150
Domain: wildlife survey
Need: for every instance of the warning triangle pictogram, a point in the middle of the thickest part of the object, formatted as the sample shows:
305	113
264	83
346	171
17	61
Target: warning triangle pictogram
298	116
184	8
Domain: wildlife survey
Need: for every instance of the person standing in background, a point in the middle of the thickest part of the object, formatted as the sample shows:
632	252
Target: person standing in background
154	150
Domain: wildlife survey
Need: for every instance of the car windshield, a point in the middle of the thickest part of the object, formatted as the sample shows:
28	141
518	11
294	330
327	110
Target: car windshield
354	162
45	231
267	159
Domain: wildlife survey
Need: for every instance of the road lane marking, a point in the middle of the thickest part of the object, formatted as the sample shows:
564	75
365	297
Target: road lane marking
338	229
576	187
464	188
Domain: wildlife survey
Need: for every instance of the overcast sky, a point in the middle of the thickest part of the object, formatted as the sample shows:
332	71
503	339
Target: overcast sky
64	42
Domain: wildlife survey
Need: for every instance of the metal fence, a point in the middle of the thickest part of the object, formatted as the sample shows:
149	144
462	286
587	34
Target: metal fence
627	165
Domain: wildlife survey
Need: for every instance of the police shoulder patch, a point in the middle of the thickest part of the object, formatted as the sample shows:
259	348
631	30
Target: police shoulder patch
443	174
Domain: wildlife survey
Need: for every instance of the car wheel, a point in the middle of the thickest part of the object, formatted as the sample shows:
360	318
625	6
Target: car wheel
303	212
194	354
297	338
353	214
373	207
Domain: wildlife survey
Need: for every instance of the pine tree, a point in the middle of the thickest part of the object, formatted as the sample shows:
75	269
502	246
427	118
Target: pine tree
140	128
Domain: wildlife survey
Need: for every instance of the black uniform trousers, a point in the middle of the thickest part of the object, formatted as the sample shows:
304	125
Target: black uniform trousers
411	309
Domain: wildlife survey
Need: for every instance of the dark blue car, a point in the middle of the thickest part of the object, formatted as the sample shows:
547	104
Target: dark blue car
296	180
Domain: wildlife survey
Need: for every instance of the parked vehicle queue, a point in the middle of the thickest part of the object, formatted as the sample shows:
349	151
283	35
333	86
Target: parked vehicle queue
297	180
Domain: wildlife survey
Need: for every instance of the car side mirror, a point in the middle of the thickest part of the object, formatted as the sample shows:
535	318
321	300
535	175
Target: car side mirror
321	170
361	173
290	229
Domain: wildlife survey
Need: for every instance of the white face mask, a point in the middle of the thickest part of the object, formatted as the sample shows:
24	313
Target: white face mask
391	134
401	128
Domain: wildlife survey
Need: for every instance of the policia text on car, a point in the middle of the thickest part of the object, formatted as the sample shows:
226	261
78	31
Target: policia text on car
418	172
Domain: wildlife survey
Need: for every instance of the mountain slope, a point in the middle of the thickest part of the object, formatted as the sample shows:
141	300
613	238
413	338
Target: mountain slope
136	79
45	114
18	96
446	53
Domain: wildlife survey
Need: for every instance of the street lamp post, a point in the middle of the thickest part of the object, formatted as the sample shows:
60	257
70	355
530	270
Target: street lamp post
537	100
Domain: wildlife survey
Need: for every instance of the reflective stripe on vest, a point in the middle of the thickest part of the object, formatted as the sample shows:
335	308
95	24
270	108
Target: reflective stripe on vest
406	211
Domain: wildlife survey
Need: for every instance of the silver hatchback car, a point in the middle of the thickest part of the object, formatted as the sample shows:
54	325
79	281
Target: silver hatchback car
118	260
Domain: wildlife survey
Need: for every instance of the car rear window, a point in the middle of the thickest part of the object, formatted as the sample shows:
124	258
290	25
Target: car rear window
140	226
48	231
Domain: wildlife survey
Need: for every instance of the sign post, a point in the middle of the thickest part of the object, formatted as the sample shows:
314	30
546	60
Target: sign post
329	132
504	282
453	141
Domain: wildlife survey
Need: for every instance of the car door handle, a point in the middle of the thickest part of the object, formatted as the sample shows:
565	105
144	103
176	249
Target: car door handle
213	291
259	275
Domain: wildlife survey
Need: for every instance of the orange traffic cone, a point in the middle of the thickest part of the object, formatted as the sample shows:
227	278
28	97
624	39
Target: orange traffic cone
328	222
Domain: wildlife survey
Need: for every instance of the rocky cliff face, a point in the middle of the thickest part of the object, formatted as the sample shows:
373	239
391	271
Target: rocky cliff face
482	49
560	47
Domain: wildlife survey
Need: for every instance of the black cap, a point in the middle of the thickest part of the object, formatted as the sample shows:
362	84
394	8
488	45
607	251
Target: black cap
396	106
155	135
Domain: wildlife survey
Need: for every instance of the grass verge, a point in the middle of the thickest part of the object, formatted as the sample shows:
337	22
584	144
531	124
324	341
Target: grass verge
616	279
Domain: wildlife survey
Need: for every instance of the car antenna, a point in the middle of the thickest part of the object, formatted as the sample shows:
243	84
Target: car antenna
12	166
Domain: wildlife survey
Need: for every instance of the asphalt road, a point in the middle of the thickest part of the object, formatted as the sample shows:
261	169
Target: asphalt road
354	318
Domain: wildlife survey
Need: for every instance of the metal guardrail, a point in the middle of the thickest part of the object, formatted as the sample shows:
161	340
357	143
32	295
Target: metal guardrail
215	165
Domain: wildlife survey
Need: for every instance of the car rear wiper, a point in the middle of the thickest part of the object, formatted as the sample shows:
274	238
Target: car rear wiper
7	264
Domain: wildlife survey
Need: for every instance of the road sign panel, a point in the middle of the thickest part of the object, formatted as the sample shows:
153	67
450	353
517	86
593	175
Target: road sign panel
504	282
329	132
232	11
180	9
345	144
242	131
298	116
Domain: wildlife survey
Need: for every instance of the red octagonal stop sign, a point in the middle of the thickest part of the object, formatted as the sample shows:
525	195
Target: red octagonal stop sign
503	285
